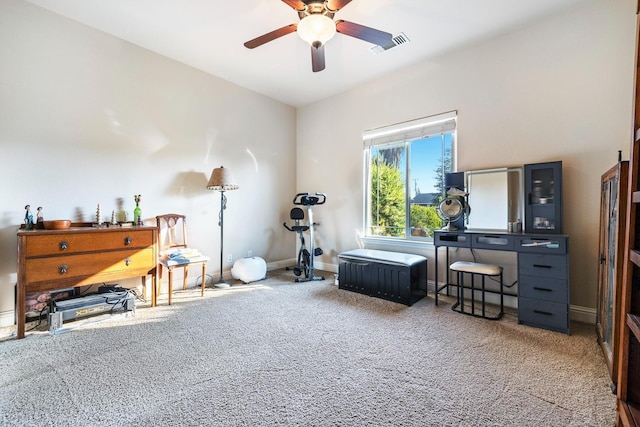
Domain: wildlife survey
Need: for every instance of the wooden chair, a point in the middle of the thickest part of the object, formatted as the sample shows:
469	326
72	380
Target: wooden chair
174	251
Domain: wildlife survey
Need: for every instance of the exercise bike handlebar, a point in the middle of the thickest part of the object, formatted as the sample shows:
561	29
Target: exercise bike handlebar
305	199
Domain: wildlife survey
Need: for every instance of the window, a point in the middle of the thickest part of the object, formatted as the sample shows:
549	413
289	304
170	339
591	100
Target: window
404	182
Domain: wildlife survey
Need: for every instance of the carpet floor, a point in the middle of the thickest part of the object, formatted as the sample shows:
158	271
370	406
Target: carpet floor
276	352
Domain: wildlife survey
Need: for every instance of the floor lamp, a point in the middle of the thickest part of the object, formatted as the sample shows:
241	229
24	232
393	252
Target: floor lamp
221	180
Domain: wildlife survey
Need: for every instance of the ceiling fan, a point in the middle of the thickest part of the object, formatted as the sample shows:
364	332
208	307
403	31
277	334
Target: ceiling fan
317	26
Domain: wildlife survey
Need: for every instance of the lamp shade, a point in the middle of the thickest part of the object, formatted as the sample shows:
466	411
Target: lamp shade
222	180
316	28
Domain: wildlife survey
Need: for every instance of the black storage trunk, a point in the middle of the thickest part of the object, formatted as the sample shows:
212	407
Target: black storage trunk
392	276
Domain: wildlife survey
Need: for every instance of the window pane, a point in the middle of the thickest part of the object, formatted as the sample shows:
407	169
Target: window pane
430	160
388	191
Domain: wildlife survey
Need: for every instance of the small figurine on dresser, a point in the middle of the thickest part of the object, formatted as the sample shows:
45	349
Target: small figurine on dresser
28	218
39	218
99	216
137	212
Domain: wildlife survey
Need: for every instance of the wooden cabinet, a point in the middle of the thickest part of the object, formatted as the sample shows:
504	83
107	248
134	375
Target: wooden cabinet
628	360
79	256
613	206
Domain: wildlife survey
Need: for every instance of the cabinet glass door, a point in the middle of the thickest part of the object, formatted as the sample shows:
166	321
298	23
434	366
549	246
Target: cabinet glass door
543	208
610	263
607	261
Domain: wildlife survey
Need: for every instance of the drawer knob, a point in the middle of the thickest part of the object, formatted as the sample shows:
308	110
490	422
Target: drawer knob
127	241
63	246
127	261
63	268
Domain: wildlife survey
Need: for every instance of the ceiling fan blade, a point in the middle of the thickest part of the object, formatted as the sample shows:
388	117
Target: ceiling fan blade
317	58
296	4
336	5
371	35
259	41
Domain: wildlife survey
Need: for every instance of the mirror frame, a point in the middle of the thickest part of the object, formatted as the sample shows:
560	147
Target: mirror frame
519	198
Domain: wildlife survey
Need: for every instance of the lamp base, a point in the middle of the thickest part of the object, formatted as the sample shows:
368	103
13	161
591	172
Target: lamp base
222	284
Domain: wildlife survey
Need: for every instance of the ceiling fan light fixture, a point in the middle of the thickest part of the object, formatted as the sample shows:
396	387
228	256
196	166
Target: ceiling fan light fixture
316	29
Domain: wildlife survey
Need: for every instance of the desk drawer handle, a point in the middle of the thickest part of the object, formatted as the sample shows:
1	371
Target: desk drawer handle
542	266
63	268
543	312
127	241
542	289
127	261
64	246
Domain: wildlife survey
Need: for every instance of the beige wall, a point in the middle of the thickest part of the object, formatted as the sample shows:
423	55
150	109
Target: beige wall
559	89
86	118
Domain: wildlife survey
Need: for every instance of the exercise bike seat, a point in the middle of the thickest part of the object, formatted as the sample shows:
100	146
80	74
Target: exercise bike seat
296	214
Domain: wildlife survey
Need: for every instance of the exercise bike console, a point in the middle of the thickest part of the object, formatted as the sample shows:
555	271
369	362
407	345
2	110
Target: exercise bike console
305	199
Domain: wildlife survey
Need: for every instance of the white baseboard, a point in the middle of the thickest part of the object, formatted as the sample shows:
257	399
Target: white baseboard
7	318
583	314
576	313
281	264
326	266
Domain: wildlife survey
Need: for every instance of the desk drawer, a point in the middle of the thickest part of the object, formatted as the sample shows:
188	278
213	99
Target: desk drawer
543	288
543	244
451	239
542	265
498	242
543	314
70	243
82	265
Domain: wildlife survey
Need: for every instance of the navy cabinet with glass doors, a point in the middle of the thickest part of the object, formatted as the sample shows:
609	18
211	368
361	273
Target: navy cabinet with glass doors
543	197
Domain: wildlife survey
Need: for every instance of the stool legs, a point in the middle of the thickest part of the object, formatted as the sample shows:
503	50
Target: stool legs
459	306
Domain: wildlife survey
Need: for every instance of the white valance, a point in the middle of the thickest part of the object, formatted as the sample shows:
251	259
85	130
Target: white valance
414	129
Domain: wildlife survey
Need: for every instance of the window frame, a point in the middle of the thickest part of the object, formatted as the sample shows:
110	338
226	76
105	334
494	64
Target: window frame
403	134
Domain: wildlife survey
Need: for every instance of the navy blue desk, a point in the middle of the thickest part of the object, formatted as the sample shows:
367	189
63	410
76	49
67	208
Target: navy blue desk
543	272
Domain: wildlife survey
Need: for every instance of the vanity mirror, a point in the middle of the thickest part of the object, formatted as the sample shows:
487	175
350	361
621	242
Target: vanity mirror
495	198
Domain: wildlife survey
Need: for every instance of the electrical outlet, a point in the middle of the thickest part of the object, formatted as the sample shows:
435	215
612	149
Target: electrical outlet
229	258
249	254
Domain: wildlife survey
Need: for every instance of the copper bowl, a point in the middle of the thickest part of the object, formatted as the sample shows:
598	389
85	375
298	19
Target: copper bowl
57	224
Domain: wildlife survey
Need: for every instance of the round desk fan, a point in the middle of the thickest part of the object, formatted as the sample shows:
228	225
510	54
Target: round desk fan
451	209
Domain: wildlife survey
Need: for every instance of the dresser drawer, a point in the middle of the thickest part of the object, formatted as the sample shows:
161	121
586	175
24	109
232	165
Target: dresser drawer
94	265
543	288
70	242
543	265
543	314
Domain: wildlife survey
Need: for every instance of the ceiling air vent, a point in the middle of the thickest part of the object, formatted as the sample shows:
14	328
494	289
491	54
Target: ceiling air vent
395	41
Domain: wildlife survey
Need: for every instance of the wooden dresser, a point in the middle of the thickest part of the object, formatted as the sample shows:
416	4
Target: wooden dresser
80	256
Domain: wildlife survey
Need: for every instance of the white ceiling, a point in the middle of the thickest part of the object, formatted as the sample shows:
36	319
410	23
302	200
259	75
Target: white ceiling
209	35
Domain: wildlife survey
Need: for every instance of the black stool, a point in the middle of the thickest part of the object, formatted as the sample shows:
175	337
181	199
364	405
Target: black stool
476	269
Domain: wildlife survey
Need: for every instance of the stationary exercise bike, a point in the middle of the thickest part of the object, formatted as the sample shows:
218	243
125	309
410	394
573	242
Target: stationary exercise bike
305	260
